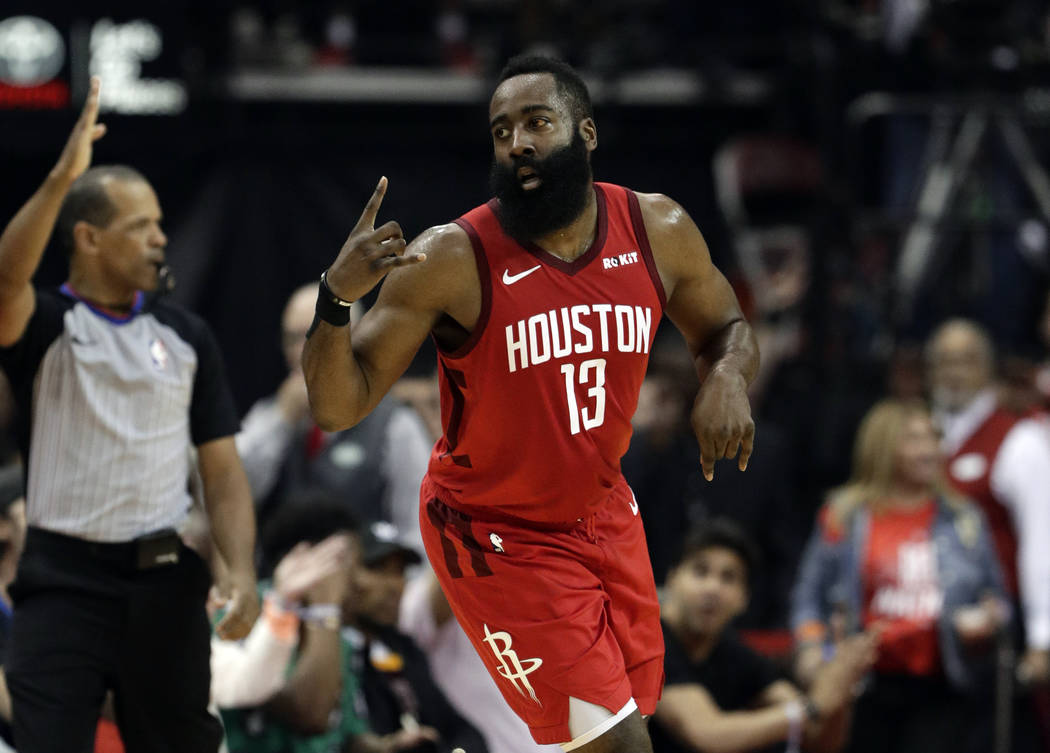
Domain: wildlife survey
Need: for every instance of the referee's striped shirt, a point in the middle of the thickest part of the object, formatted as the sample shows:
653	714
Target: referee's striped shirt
107	409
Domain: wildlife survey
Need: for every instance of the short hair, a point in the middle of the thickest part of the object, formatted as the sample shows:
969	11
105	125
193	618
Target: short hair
569	83
88	201
723	533
311	516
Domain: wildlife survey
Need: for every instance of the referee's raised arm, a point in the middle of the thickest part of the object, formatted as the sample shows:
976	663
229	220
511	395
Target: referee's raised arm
25	237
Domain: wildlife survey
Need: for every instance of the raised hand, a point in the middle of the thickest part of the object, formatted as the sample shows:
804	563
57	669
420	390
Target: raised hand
306	569
369	253
76	156
722	421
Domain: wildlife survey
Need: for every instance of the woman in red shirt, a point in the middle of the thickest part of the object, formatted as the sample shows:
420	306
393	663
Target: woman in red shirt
896	551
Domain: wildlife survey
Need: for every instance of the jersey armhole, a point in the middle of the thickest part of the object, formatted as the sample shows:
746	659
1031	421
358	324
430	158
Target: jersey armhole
485	279
643	242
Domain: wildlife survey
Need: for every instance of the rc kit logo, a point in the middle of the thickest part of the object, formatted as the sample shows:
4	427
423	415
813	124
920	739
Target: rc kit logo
620	260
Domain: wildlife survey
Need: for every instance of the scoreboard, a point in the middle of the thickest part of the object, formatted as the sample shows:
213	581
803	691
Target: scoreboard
47	57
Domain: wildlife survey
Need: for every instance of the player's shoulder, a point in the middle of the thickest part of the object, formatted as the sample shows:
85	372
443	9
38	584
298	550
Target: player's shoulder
446	241
675	239
447	248
449	259
661	212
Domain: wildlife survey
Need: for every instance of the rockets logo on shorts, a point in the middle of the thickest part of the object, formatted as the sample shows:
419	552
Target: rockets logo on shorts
511	668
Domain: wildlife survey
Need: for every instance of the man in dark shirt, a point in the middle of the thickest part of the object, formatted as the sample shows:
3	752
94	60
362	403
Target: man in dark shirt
719	695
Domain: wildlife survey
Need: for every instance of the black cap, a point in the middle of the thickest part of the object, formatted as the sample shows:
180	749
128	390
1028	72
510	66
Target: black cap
381	539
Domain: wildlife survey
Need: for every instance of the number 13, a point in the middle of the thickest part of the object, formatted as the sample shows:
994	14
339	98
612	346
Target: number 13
590	421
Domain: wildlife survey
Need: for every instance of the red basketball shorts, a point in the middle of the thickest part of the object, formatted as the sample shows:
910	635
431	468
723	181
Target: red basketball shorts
553	612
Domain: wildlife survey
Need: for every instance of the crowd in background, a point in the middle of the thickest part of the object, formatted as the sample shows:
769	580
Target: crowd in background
865	551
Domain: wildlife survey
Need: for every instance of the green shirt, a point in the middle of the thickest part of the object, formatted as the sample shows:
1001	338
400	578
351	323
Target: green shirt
253	730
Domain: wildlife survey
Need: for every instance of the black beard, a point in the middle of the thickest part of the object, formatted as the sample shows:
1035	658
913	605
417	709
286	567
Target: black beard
555	203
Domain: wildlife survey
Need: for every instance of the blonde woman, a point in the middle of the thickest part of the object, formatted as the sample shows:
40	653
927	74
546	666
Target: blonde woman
896	551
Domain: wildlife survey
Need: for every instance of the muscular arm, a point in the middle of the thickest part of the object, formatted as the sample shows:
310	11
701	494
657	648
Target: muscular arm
228	501
702	305
348	373
700	301
25	237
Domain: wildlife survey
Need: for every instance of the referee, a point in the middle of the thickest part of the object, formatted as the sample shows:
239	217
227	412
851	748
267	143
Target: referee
113	391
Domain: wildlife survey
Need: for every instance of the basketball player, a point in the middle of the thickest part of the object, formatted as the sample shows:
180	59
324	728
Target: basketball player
544	303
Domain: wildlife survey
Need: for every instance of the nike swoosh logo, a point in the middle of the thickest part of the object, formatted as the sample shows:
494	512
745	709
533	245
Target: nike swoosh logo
634	504
509	279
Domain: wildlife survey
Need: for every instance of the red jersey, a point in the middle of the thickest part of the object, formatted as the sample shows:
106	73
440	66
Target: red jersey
970	472
901	590
536	405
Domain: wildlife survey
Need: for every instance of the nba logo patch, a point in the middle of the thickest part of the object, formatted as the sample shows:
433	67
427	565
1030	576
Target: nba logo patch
159	354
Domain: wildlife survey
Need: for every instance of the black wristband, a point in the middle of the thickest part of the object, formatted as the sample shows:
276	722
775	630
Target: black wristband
331	308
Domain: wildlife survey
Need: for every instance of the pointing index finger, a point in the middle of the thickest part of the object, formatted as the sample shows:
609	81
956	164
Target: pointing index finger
371	210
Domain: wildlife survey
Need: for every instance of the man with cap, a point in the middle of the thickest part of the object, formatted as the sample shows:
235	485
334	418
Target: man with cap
397	686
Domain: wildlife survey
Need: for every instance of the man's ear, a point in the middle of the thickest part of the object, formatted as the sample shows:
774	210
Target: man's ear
589	133
85	238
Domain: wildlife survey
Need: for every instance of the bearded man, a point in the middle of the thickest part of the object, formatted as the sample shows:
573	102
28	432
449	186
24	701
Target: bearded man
544	303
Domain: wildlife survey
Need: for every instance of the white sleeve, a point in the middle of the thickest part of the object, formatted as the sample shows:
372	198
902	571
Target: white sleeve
250	672
405	460
262	443
1020	478
416	618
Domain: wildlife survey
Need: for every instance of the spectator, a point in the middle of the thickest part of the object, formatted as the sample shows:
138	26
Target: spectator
457	669
252	672
377	466
320	707
397	686
896	550
719	695
1002	462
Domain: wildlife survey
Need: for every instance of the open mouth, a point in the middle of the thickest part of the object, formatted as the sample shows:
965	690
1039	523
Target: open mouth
529	178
